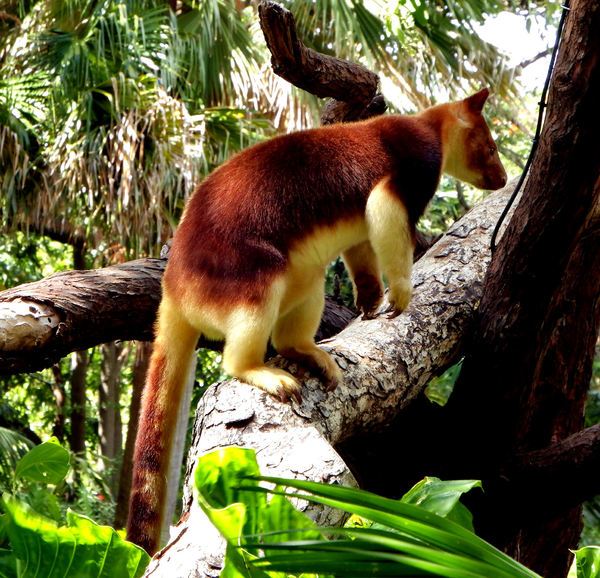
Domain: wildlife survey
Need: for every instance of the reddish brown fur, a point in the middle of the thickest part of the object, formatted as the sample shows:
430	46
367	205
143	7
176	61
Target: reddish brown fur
145	512
244	217
247	259
158	417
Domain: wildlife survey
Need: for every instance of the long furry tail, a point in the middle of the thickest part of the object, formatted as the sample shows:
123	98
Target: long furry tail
169	366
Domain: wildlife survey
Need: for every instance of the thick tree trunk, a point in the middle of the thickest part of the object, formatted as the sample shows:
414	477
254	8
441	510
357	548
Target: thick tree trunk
110	427
79	365
524	382
58	391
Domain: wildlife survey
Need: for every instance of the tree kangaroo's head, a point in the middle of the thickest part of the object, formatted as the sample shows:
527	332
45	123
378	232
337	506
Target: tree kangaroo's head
470	153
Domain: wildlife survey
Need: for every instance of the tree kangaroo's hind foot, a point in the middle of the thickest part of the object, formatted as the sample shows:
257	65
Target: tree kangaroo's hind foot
318	360
277	382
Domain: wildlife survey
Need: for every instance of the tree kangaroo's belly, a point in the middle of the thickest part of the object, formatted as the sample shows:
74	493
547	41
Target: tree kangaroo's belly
307	259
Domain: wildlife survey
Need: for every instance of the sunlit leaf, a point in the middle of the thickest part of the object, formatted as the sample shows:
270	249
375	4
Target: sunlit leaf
47	463
587	561
82	548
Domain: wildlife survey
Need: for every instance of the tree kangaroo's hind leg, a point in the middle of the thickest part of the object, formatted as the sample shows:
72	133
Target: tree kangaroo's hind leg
248	330
294	335
363	267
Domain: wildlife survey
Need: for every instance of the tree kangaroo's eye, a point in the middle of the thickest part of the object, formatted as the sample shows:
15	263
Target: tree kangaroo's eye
492	150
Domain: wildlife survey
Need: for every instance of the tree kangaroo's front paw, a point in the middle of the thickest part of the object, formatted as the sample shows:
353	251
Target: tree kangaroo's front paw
399	297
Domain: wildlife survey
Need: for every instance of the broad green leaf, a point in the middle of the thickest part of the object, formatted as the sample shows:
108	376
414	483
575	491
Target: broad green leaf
219	477
47	463
8	564
232	510
442	498
279	515
82	548
406	540
226	484
588	562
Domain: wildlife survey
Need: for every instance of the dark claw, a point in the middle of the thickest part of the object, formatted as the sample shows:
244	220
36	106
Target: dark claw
333	383
391	312
394	314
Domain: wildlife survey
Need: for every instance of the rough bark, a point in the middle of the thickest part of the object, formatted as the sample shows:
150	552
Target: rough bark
386	363
41	322
352	87
539	314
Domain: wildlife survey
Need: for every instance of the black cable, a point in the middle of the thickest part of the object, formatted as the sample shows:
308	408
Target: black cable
542	107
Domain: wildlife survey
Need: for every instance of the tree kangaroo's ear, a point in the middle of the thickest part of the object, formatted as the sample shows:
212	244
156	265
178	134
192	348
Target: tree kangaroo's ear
476	102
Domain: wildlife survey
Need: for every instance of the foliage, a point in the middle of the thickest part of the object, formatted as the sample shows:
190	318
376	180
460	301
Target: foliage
25	258
587	562
440	388
590	534
34	544
13	446
110	111
439	52
405	539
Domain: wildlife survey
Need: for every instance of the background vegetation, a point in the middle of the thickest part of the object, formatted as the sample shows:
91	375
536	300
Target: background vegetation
110	113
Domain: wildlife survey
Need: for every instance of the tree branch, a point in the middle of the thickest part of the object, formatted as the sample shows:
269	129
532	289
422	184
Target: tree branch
41	322
570	465
352	86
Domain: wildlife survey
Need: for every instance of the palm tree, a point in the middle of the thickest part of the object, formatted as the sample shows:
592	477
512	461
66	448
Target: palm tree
110	111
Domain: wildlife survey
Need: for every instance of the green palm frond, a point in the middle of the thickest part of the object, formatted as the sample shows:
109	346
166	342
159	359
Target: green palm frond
216	49
23	103
265	537
406	539
344	28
